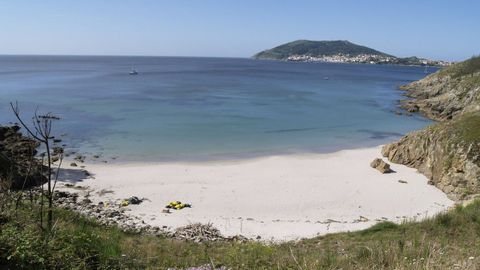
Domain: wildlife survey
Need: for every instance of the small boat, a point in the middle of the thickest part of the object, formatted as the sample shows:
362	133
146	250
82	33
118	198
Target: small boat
133	72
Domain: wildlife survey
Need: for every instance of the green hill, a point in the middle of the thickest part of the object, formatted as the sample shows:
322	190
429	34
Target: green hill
316	48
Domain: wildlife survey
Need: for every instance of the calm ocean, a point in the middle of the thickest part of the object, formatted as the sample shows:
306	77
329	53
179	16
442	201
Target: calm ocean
208	108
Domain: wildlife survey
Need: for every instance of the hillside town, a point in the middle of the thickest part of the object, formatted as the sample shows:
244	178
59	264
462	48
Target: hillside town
367	59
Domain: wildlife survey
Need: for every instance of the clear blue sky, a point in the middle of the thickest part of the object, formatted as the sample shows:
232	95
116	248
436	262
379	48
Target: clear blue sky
440	29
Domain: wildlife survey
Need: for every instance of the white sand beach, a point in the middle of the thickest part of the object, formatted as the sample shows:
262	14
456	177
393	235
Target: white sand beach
277	198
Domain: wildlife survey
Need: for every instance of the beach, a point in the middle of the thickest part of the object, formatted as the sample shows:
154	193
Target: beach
277	198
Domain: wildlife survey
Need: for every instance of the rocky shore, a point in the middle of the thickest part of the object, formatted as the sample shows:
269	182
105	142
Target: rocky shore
448	152
114	213
21	169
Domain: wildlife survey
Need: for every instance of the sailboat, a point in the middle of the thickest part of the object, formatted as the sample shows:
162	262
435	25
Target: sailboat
133	72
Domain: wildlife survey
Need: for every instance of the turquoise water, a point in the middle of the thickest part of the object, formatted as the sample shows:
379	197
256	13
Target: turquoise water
208	108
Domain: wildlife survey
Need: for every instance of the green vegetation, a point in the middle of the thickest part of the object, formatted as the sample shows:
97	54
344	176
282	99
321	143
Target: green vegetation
467	127
468	67
316	48
409	61
464	129
335	47
444	242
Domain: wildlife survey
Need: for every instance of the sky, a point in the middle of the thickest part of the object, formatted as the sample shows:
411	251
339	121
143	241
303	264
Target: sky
435	29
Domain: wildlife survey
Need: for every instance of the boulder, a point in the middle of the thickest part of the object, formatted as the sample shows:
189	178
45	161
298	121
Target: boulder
134	200
381	165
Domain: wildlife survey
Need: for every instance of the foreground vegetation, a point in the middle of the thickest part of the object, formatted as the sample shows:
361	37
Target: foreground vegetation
448	241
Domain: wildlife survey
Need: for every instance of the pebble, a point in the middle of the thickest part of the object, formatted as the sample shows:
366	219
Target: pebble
111	214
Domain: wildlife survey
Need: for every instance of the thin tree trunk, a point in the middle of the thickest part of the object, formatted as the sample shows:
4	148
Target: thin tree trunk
49	192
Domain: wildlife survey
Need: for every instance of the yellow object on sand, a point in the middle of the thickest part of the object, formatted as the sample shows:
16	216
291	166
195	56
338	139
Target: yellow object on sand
177	205
124	203
174	203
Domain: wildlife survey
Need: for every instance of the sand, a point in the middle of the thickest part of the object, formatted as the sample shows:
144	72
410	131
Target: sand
277	197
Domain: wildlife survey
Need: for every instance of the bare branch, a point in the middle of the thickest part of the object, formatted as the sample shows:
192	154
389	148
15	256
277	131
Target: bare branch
16	111
57	173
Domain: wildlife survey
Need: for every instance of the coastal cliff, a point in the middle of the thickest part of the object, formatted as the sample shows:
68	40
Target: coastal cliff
449	92
448	152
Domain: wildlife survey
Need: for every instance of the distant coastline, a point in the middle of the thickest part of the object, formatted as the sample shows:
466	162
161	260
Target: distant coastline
339	51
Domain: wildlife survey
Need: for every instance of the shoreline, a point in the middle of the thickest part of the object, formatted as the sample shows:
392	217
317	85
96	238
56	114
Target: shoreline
273	198
116	159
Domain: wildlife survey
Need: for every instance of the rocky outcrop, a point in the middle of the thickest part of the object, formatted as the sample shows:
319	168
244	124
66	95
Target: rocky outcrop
448	152
18	167
447	93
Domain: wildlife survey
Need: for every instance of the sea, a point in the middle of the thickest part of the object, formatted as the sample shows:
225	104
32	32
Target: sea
194	108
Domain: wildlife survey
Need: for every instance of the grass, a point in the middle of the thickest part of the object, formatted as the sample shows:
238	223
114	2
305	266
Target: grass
468	67
443	242
462	131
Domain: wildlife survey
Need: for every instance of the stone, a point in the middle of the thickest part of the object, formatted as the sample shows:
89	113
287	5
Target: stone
80	158
381	165
86	201
402	181
134	200
57	150
73	164
61	194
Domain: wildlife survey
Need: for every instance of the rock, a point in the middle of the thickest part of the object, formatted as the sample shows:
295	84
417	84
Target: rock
80	158
166	211
61	194
16	153
57	150
381	166
134	200
402	181
86	201
445	153
73	164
